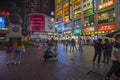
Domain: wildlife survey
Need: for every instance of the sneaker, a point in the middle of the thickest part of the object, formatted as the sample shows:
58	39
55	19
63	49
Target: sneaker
106	78
14	62
7	62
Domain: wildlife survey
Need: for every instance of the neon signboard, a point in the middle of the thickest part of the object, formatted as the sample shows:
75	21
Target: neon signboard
106	27
106	4
2	22
77	31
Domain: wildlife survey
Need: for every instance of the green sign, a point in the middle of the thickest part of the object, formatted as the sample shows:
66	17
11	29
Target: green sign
77	31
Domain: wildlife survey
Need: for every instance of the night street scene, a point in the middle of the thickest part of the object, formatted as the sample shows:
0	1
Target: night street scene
59	39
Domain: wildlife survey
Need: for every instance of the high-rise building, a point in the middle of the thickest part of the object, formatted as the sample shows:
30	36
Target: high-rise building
39	6
89	18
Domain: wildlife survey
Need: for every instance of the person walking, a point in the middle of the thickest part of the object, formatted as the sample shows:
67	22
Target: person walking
106	51
9	51
98	50
115	68
66	45
19	48
73	44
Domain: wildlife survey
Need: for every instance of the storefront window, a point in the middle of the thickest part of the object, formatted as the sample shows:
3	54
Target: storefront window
106	17
89	19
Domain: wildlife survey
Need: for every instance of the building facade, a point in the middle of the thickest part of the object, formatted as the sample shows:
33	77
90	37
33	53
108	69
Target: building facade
90	18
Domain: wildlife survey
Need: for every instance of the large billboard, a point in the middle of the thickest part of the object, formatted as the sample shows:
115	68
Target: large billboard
37	22
49	24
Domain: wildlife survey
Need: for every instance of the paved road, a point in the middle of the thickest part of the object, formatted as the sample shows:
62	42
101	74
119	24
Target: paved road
70	66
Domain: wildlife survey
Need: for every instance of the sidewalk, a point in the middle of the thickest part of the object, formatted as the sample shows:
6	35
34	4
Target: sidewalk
70	66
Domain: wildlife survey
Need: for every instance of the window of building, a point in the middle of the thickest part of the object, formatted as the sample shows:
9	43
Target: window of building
88	4
99	2
104	0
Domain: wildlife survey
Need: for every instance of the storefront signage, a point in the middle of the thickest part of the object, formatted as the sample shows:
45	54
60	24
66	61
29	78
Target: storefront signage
2	22
106	4
37	22
88	29
77	31
67	32
4	13
106	27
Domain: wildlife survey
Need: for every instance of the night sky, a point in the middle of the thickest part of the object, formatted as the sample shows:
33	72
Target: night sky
7	3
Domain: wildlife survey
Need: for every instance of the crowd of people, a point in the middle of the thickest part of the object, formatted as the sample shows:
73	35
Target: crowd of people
108	49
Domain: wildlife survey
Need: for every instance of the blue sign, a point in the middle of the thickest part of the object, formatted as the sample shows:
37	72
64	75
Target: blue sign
2	22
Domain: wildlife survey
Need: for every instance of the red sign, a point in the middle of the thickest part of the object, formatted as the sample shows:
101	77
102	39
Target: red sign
106	27
37	22
4	13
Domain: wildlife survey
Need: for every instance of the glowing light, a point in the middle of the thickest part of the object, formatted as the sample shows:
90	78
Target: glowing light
106	4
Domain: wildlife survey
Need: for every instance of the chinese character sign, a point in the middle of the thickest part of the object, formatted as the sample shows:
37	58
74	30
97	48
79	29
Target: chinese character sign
37	22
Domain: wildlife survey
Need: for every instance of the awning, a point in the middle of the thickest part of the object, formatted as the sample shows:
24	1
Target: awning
111	35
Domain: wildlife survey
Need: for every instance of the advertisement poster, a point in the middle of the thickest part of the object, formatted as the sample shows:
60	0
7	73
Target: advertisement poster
49	25
37	22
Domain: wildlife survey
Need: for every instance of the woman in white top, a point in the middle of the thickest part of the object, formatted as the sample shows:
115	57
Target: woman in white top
115	69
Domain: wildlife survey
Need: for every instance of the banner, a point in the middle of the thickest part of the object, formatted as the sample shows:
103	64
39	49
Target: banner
37	22
49	24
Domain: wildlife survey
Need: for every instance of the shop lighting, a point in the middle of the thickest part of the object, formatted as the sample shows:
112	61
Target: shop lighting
88	24
85	25
96	32
92	23
103	31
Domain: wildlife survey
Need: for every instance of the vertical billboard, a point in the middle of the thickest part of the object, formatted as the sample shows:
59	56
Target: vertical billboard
49	24
37	22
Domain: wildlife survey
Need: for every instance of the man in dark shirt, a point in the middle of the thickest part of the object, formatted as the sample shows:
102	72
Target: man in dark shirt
98	50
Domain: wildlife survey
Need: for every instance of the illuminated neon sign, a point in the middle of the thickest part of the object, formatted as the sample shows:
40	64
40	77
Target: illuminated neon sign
106	4
106	27
2	22
4	13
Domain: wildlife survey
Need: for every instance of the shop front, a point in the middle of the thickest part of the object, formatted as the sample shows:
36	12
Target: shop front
77	33
89	33
68	35
107	28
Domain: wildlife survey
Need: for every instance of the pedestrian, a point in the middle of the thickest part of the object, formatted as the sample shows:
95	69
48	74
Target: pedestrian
98	50
19	48
55	54
106	51
79	44
115	68
48	54
73	45
9	51
66	45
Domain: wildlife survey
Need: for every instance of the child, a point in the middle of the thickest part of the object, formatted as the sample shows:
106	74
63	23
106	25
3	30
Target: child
55	54
47	55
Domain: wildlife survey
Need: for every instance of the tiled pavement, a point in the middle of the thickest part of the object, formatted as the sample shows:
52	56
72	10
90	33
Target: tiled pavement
70	66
